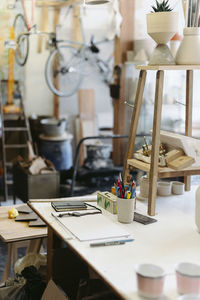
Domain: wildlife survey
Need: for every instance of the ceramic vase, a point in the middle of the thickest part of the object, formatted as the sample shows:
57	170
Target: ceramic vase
161	26
189	50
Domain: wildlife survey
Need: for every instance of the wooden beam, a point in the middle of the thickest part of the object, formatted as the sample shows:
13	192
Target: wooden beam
76	25
134	120
56	98
54	3
153	175
122	44
188	116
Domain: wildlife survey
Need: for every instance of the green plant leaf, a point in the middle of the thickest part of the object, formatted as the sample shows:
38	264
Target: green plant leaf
163	6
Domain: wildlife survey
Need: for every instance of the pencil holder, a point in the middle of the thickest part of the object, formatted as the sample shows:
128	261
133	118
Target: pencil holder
125	210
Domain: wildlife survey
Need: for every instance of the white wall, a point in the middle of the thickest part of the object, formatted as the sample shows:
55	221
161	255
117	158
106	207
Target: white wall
39	99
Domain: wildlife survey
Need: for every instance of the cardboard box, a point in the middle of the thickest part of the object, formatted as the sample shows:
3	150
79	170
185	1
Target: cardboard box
108	201
40	186
52	292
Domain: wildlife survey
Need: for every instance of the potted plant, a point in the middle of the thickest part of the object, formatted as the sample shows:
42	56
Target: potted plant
162	24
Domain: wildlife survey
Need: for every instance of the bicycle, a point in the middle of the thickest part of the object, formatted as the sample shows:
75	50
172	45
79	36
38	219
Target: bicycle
68	64
23	28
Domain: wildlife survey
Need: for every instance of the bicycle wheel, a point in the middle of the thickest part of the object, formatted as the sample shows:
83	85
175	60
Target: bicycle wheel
63	71
22	41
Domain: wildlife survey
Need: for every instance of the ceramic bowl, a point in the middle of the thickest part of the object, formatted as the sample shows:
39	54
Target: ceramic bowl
164	188
178	187
150	280
188	278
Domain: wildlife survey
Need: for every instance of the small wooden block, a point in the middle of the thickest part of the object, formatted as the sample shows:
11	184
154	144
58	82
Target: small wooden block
26	217
37	223
181	162
24	209
173	154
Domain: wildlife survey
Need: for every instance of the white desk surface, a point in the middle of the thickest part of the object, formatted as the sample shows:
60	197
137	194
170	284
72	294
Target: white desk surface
174	238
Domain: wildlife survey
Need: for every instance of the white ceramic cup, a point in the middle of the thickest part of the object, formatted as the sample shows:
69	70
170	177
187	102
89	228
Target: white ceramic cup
125	210
188	278
150	280
178	187
164	188
144	186
189	297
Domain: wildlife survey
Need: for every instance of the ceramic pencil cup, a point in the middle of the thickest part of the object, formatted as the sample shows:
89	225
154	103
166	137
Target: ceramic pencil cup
125	210
150	281
188	278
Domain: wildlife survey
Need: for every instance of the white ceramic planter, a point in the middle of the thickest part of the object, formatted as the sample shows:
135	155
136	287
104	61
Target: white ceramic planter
189	50
161	26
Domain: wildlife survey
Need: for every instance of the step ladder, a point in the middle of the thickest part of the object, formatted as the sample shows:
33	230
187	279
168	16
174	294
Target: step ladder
16	132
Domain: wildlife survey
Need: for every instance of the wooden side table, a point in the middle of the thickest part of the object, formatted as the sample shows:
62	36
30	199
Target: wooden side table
152	169
16	235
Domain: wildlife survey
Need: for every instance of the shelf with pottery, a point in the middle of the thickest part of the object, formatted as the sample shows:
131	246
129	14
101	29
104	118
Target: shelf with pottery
163	172
153	169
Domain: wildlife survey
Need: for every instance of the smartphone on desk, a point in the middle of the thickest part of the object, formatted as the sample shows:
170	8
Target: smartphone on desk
68	205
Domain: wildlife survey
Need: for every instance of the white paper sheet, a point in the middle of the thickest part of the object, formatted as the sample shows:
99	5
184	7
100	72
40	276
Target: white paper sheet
92	227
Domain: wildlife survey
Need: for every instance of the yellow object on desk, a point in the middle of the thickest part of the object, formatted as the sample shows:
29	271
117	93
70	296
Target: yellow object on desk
108	201
12	213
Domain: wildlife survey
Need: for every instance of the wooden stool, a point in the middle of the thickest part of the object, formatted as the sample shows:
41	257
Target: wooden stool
16	235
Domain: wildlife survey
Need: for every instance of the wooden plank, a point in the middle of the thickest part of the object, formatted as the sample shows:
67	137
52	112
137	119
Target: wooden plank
87	122
188	116
164	172
134	120
44	18
155	143
173	154
181	162
169	67
56	80
76	25
122	45
86	104
55	4
137	164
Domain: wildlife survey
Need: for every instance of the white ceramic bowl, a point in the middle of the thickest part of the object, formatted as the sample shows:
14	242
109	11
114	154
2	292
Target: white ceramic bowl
150	280
178	187
188	278
164	188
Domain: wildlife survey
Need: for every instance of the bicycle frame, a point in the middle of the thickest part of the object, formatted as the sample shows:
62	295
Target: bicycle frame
28	24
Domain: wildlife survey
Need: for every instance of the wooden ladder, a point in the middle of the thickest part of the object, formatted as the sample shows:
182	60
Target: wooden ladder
15	134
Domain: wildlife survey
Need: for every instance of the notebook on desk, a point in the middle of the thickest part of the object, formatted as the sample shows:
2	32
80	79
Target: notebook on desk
92	227
68	205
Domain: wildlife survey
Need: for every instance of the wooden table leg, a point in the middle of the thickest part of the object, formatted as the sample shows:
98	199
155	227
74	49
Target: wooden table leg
53	242
153	175
134	121
188	116
34	246
7	268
